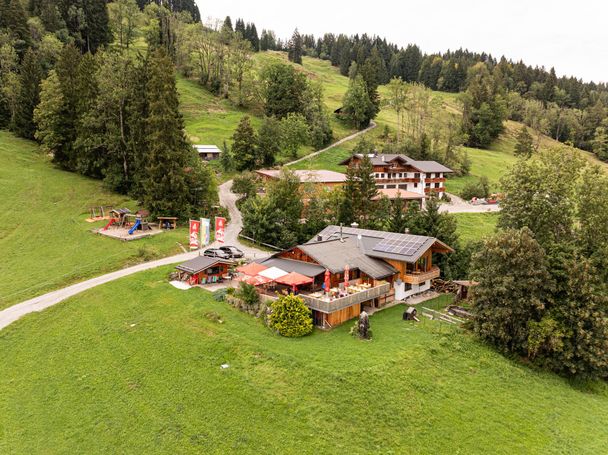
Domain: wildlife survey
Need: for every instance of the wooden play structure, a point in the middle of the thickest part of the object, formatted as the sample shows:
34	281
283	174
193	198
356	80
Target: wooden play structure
125	225
101	212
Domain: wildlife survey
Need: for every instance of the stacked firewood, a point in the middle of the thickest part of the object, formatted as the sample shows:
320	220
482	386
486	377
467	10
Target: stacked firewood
443	286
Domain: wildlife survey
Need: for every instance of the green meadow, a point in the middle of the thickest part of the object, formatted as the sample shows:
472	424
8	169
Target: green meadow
44	238
133	366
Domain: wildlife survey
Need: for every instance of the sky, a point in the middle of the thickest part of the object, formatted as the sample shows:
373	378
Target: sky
571	36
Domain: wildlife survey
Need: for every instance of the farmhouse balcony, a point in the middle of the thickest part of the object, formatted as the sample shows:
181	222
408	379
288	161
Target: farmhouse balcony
435	180
327	305
436	190
421	277
396	180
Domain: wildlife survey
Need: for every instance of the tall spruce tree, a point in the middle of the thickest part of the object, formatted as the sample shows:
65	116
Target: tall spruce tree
30	76
296	48
169	158
69	61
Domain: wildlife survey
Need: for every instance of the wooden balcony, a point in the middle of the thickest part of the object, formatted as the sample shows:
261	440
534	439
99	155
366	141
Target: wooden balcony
436	190
396	180
421	277
435	180
325	305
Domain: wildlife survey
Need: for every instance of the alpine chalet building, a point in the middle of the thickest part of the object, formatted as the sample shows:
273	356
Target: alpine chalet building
399	174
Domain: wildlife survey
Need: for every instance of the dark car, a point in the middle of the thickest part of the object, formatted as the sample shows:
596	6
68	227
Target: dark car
216	253
233	251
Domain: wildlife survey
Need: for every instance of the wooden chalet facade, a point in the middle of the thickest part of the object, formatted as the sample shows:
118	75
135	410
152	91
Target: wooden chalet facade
413	179
382	267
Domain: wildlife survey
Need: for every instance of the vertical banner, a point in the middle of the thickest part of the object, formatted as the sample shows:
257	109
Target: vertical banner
195	227
220	226
205	231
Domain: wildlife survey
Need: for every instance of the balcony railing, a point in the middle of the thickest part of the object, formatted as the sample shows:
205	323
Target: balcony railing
329	306
421	277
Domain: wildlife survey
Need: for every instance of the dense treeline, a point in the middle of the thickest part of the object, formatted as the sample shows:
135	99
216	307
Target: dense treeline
99	110
543	279
566	108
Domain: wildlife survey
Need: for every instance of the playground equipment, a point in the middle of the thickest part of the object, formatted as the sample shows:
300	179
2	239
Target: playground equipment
99	213
135	226
110	223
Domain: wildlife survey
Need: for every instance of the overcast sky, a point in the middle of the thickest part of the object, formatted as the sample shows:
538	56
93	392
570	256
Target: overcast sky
571	35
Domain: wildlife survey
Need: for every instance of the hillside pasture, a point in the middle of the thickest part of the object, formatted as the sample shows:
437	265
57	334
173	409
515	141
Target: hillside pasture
44	239
141	374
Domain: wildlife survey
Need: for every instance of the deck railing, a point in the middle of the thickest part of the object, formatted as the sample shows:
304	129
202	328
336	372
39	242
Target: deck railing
325	306
420	277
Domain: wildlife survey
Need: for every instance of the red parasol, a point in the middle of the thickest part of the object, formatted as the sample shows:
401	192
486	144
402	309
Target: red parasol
346	273
252	269
294	279
327	280
255	280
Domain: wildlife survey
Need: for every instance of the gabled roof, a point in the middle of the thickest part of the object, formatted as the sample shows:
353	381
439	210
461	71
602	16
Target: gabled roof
200	263
306	176
384	245
335	255
386	159
207	149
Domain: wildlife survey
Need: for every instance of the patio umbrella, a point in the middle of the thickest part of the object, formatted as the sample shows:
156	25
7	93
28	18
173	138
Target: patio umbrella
251	269
327	280
255	280
273	273
294	279
346	273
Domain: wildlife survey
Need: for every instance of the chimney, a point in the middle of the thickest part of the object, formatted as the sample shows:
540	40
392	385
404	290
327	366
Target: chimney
375	153
382	158
319	238
354	225
341	238
407	230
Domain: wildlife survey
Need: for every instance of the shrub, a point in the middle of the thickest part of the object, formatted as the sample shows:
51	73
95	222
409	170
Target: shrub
290	316
479	189
220	295
248	294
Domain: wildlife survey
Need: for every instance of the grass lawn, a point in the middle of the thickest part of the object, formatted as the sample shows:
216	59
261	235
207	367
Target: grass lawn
211	120
134	367
45	242
475	226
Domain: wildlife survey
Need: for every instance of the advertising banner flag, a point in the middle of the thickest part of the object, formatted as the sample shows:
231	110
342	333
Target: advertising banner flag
205	231
220	227
195	228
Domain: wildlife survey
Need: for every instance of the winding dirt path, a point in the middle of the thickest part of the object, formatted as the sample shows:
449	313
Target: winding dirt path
371	126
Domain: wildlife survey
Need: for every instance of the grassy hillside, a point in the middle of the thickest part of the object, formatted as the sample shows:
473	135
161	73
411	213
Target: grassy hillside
141	374
475	226
211	120
45	242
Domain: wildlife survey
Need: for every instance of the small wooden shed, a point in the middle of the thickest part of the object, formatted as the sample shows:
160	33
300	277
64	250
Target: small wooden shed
463	288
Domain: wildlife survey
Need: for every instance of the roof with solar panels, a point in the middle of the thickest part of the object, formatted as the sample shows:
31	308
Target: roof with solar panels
383	245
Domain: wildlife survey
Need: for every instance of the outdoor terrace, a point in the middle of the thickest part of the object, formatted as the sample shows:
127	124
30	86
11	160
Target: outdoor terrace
357	293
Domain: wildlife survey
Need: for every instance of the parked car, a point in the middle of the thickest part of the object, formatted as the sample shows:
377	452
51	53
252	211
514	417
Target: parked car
216	253
233	251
